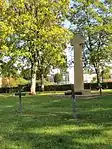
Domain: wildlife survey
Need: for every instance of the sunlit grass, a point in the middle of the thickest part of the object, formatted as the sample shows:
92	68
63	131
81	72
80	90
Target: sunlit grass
104	91
46	123
50	93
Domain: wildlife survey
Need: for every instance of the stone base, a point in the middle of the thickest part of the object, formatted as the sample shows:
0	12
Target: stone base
84	92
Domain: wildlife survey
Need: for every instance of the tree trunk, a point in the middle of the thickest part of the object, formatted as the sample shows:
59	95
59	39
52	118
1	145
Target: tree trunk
98	81
102	75
33	79
42	82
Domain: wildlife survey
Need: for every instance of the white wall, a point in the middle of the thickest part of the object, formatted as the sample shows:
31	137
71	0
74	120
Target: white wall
87	77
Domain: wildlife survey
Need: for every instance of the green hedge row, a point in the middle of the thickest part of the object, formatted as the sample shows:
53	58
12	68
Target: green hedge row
26	88
92	86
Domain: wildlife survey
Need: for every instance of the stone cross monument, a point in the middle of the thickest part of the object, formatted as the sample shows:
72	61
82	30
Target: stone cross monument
0	81
77	42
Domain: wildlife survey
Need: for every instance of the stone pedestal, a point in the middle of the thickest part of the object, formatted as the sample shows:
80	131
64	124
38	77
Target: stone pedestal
77	43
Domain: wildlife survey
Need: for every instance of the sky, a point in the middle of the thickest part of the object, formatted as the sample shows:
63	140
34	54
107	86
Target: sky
71	68
66	23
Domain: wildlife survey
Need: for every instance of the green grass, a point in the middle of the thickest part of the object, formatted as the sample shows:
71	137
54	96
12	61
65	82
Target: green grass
104	91
47	123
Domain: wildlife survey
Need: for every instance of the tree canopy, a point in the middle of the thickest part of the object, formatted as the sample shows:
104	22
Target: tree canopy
37	33
92	19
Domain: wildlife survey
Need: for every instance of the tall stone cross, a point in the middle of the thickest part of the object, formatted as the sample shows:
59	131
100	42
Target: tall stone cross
77	42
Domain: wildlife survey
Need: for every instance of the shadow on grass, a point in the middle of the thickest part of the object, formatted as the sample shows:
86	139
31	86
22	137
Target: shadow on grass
47	123
85	139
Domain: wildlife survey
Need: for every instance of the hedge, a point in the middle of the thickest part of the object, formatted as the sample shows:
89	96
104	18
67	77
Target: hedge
26	88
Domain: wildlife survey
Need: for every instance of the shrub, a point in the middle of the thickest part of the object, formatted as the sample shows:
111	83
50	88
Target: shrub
26	88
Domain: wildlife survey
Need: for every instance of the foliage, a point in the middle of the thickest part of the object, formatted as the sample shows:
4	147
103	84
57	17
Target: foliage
8	64
8	82
26	73
54	87
106	74
13	82
38	33
94	80
58	77
21	81
46	82
93	20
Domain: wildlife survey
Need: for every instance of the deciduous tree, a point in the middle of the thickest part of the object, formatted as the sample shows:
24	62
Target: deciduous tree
93	20
38	33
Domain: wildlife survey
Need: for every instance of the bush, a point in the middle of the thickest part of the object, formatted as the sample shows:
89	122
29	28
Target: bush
13	82
26	88
58	87
58	77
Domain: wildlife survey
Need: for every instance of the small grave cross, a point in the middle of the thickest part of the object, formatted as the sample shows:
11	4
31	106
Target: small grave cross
74	104
20	94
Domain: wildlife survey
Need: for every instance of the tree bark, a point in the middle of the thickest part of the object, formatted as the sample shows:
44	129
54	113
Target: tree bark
98	81
42	82
33	79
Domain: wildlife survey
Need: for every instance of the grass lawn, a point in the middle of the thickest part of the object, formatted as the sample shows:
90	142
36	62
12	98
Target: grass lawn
104	91
47	123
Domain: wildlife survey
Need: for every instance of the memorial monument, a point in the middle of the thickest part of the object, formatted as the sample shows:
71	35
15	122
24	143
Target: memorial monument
78	42
0	81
